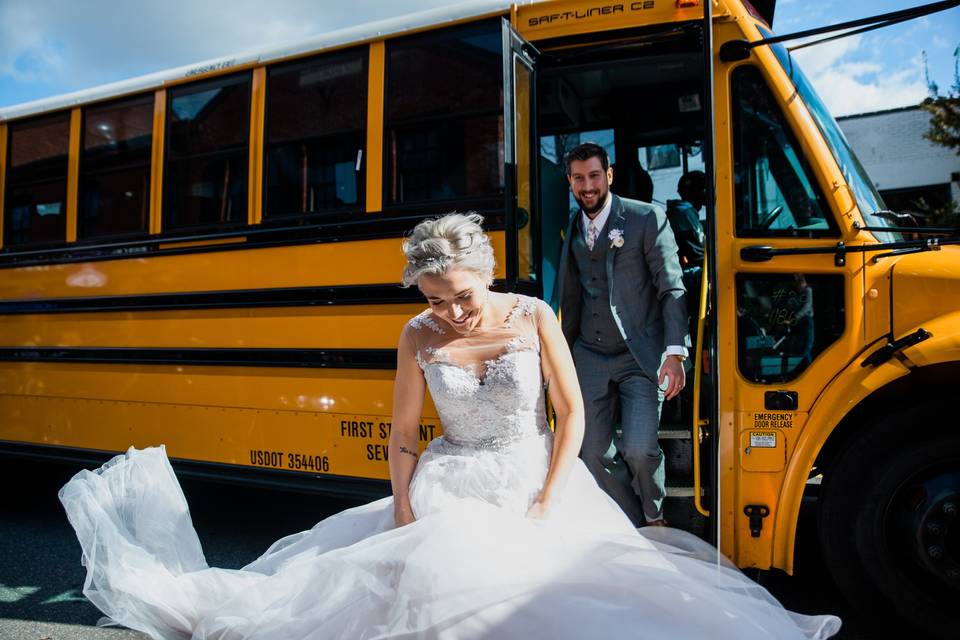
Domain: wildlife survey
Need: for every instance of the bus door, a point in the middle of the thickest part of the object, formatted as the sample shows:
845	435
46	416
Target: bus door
641	97
520	179
785	324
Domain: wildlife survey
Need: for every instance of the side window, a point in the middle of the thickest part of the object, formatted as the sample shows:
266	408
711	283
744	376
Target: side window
775	191
114	195
784	321
205	173
315	135
35	209
444	115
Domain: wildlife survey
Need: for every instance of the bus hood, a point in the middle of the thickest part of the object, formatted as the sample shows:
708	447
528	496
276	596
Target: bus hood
925	286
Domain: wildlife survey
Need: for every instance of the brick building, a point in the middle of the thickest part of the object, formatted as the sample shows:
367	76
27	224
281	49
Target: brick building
903	164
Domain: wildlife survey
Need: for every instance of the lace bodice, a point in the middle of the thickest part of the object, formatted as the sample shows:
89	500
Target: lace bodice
487	385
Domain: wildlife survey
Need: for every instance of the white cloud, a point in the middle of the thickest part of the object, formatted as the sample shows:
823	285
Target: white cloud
913	32
822	57
74	45
851	79
787	19
26	53
940	42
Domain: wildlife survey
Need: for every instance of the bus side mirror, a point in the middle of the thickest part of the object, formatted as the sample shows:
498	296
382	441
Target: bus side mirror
734	50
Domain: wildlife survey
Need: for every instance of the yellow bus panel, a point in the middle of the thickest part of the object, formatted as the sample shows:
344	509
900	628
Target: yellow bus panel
558	19
337	419
321	264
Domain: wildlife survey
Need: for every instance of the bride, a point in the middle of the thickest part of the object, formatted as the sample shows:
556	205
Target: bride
497	530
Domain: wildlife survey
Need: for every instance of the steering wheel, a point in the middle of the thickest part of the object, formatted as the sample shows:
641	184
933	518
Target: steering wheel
768	218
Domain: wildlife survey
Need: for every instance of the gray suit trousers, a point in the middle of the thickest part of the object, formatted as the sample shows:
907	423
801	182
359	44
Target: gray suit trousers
615	389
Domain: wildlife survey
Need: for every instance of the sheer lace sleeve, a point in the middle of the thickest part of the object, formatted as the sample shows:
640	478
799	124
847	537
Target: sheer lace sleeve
422	330
544	312
524	317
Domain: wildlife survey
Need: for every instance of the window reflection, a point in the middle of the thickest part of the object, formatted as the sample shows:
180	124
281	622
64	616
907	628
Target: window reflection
445	115
775	191
115	168
205	177
784	321
35	202
315	135
868	199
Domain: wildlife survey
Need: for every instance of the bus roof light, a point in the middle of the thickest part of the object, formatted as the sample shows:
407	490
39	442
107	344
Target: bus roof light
687	4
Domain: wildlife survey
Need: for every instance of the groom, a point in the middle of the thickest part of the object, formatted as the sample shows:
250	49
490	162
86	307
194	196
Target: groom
624	315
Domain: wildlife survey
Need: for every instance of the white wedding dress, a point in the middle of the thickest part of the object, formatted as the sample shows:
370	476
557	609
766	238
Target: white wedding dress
471	566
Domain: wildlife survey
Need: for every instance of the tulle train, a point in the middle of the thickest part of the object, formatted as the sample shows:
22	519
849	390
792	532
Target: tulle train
469	570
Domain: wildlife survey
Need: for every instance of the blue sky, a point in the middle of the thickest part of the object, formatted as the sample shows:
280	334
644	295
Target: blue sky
49	47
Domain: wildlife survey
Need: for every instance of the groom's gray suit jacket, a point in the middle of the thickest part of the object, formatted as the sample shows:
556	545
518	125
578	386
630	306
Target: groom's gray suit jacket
644	280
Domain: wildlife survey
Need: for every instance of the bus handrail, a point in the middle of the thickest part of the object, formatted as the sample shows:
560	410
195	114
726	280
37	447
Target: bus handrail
697	372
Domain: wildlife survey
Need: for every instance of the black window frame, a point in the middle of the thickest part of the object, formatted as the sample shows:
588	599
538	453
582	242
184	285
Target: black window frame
197	87
869	200
81	200
8	183
268	219
493	202
833	228
819	344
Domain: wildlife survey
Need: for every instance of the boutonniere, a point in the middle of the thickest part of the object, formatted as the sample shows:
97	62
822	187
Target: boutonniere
616	238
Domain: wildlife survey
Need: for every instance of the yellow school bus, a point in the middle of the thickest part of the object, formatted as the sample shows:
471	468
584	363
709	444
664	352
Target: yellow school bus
209	257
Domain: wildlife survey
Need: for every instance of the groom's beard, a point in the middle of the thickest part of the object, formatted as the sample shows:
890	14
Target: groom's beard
601	200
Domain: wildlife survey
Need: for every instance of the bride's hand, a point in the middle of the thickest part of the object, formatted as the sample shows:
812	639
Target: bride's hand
403	517
539	510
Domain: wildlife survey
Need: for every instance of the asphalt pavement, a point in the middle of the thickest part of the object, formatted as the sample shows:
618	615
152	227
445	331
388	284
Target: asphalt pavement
41	578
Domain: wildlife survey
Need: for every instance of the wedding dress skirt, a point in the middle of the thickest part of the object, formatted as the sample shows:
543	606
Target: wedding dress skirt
467	569
471	566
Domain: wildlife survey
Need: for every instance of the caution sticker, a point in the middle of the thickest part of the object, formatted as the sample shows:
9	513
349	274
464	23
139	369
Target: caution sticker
763	439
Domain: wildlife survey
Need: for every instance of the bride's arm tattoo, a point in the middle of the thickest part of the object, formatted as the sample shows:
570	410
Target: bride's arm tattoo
405	450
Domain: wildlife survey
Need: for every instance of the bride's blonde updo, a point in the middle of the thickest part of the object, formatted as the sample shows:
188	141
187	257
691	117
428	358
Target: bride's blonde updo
453	241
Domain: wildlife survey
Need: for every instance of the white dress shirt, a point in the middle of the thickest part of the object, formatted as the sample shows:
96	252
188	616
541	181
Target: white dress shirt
600	219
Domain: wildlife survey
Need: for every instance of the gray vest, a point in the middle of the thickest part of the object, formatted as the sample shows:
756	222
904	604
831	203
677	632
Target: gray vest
598	329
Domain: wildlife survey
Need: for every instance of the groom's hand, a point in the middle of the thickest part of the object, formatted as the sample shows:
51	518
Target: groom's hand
672	370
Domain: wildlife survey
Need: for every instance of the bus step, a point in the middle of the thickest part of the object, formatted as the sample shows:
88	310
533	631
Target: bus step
674	433
678	457
681	513
681	492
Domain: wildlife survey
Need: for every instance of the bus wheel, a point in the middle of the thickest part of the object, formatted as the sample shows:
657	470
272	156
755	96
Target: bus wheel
889	520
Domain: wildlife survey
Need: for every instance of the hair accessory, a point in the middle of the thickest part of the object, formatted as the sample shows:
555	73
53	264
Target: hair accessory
431	262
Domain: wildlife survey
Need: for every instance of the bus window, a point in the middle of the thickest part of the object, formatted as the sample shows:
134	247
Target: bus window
35	210
784	321
775	192
662	156
868	199
444	115
665	164
115	168
316	123
554	148
205	174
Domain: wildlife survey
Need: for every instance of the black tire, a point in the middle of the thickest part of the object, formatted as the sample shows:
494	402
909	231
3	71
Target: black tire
889	524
